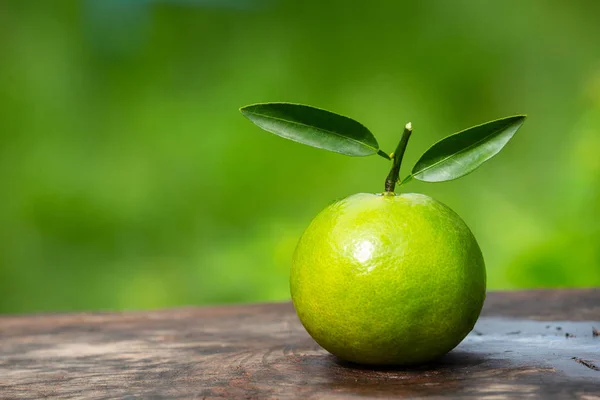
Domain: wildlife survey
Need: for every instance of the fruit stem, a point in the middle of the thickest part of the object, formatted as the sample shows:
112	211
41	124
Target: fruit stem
394	175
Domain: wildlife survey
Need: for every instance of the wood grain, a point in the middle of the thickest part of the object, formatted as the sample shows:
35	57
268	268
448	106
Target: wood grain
528	344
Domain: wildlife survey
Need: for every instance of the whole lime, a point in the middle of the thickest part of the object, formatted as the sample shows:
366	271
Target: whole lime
388	279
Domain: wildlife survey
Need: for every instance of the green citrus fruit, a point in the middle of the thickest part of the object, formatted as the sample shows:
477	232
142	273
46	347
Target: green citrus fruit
388	279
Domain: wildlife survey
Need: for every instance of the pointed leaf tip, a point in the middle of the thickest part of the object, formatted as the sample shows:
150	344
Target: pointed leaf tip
313	127
461	153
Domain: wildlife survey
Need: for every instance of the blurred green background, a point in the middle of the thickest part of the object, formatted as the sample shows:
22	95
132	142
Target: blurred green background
129	179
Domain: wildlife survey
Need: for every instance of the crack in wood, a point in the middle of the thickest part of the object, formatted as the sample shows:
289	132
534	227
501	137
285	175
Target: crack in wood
586	363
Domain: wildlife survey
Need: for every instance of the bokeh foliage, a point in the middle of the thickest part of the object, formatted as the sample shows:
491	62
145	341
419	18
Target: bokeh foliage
130	180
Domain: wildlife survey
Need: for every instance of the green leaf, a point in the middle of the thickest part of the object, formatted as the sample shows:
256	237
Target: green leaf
314	127
462	152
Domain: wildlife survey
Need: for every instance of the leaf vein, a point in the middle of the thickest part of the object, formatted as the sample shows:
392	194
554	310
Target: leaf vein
313	127
451	156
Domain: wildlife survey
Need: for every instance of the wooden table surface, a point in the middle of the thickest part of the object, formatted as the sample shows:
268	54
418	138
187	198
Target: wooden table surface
528	344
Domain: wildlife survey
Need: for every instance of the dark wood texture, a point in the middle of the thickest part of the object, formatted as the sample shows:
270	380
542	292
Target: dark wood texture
533	344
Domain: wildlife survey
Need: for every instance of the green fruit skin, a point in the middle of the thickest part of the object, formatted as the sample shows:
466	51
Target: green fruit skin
388	279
